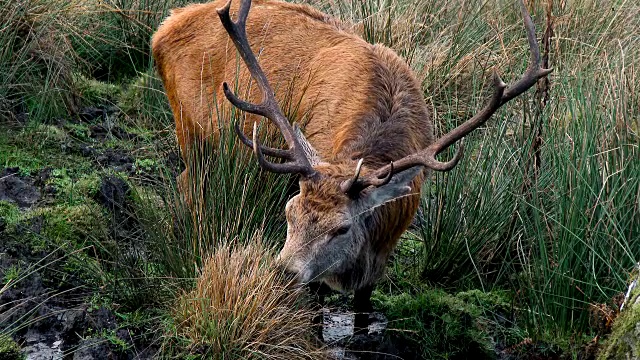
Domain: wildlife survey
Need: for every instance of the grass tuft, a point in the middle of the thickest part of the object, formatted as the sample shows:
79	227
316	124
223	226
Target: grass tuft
244	307
36	58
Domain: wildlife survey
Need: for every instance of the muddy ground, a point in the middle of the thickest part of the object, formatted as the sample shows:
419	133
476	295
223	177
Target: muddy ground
50	309
53	318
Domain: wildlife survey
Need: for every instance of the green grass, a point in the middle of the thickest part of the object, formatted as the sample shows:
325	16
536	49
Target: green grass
232	199
9	350
56	52
119	48
36	60
9	212
38	146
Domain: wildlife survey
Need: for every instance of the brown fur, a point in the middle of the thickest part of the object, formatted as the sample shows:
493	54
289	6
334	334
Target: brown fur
354	99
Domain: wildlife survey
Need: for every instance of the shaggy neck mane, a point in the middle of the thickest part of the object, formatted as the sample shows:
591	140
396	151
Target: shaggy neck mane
390	126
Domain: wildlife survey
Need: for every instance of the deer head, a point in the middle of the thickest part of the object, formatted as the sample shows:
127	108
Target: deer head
333	220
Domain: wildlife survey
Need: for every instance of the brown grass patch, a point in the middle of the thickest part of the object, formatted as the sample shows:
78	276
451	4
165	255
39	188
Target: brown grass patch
244	307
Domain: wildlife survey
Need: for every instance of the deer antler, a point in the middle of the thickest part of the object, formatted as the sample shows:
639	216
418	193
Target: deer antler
351	186
426	157
279	153
298	162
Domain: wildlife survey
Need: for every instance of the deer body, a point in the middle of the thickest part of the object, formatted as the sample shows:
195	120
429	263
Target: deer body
368	136
357	100
343	88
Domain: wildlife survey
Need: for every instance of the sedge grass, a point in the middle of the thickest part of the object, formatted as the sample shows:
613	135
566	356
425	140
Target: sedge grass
229	199
36	59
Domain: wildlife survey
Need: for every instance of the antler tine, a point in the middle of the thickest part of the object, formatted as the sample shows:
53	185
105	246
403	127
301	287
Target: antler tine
269	166
500	97
346	186
279	153
385	180
353	186
269	106
534	71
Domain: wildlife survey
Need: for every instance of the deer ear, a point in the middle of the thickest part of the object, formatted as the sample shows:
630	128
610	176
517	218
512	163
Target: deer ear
397	187
309	151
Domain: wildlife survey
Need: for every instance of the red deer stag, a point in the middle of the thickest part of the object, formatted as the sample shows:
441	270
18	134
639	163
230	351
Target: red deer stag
368	140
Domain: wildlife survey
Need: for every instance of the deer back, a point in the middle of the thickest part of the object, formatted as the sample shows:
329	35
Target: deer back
352	98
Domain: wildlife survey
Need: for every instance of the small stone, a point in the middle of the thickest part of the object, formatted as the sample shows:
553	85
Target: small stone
17	189
90	113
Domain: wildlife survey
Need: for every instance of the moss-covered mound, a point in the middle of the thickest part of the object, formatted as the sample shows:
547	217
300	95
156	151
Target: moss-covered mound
436	325
9	350
624	341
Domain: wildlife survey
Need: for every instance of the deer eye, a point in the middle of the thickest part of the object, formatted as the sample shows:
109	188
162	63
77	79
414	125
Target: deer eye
341	230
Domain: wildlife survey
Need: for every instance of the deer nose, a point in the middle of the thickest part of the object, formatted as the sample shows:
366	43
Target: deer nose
291	276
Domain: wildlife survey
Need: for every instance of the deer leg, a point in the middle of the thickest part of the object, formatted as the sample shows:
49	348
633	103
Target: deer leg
183	183
362	307
319	291
187	189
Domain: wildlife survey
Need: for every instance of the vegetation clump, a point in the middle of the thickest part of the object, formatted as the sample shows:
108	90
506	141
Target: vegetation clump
94	91
9	350
624	340
437	325
243	307
37	59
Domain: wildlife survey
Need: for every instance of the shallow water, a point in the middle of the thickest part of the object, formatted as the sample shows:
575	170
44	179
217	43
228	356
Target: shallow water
338	333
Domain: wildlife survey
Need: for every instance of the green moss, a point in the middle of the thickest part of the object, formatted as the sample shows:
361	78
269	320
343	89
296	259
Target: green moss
144	101
75	189
51	136
439	325
95	92
9	213
78	131
63	227
9	350
624	340
88	184
35	147
78	235
73	224
146	165
494	300
12	273
131	99
41	137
